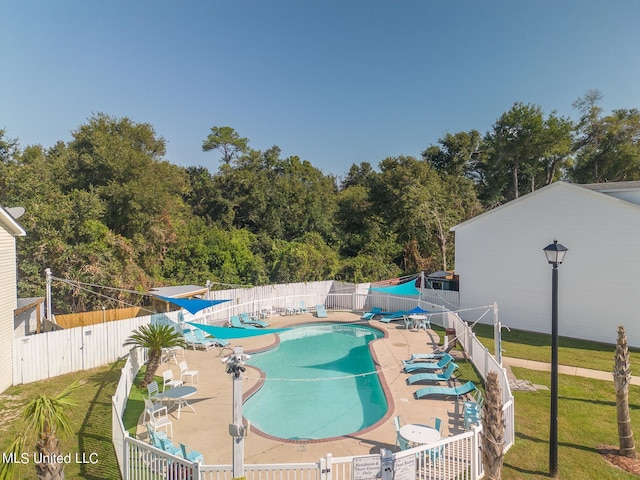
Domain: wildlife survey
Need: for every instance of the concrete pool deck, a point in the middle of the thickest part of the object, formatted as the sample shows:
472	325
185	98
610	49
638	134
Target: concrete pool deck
206	430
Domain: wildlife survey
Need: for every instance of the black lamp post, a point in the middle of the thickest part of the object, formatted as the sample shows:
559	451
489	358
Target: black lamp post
555	255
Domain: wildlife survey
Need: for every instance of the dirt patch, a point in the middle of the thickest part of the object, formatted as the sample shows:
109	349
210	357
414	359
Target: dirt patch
610	454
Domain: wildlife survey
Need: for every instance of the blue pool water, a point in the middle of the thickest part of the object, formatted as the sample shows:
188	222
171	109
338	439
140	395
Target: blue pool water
312	389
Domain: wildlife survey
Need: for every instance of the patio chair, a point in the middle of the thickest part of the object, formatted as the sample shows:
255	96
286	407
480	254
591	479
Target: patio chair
234	321
185	372
321	312
150	408
401	442
439	365
408	322
168	380
291	310
445	376
303	308
458	391
153	390
190	454
471	417
160	421
437	424
247	320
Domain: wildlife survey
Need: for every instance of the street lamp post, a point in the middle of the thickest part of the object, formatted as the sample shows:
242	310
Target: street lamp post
555	253
235	367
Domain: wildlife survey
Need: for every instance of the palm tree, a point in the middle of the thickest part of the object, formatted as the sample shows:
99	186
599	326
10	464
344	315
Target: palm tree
492	428
44	418
154	338
621	378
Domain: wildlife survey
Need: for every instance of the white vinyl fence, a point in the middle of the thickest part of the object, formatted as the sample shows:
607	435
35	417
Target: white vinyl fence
50	354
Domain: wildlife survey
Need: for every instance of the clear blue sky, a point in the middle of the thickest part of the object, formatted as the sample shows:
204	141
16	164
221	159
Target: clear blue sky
335	82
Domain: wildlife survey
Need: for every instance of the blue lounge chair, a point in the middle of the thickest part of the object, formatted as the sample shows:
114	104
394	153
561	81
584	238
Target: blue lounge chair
191	339
374	311
446	391
235	322
431	366
190	454
434	377
203	337
320	311
390	317
245	319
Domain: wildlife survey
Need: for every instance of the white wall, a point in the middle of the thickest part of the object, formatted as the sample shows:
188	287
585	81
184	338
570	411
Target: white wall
8	303
499	258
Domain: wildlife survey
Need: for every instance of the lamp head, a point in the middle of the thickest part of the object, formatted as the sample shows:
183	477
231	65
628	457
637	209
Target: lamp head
555	253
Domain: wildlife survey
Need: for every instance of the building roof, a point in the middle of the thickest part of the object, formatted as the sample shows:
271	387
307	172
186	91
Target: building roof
10	225
611	186
180	291
596	189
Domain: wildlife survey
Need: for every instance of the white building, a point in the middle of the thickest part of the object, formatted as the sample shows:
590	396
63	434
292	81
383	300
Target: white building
9	230
499	258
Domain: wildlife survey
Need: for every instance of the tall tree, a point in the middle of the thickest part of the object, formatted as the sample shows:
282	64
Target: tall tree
525	151
227	141
621	380
455	153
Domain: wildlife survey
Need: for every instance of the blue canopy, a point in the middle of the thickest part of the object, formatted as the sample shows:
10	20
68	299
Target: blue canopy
228	332
417	310
405	289
192	305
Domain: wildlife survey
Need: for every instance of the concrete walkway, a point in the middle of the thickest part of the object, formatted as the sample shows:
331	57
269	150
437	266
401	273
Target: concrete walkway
563	369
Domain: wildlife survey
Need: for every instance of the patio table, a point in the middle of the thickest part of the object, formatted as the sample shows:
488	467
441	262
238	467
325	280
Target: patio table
420	321
419	434
179	395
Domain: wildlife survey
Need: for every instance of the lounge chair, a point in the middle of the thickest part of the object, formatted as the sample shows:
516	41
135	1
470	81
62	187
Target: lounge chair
321	312
247	320
234	321
446	391
191	339
431	366
434	377
190	454
390	317
433	356
374	311
203	337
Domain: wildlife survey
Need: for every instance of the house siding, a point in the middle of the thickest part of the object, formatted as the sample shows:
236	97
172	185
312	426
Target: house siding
8	303
499	259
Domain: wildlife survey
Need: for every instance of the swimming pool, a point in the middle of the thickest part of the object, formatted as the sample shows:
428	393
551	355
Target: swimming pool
314	386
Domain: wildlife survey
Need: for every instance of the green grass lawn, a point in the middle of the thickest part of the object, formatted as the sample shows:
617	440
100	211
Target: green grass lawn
586	419
537	346
90	421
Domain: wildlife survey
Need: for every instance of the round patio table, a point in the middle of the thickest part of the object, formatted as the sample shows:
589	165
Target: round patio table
179	395
419	434
420	321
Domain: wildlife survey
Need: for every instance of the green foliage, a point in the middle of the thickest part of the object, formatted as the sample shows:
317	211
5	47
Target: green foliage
154	338
108	209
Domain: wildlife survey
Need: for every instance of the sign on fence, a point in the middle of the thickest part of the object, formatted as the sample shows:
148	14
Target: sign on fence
366	468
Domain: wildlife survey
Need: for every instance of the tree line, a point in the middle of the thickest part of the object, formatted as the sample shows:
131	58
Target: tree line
107	208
